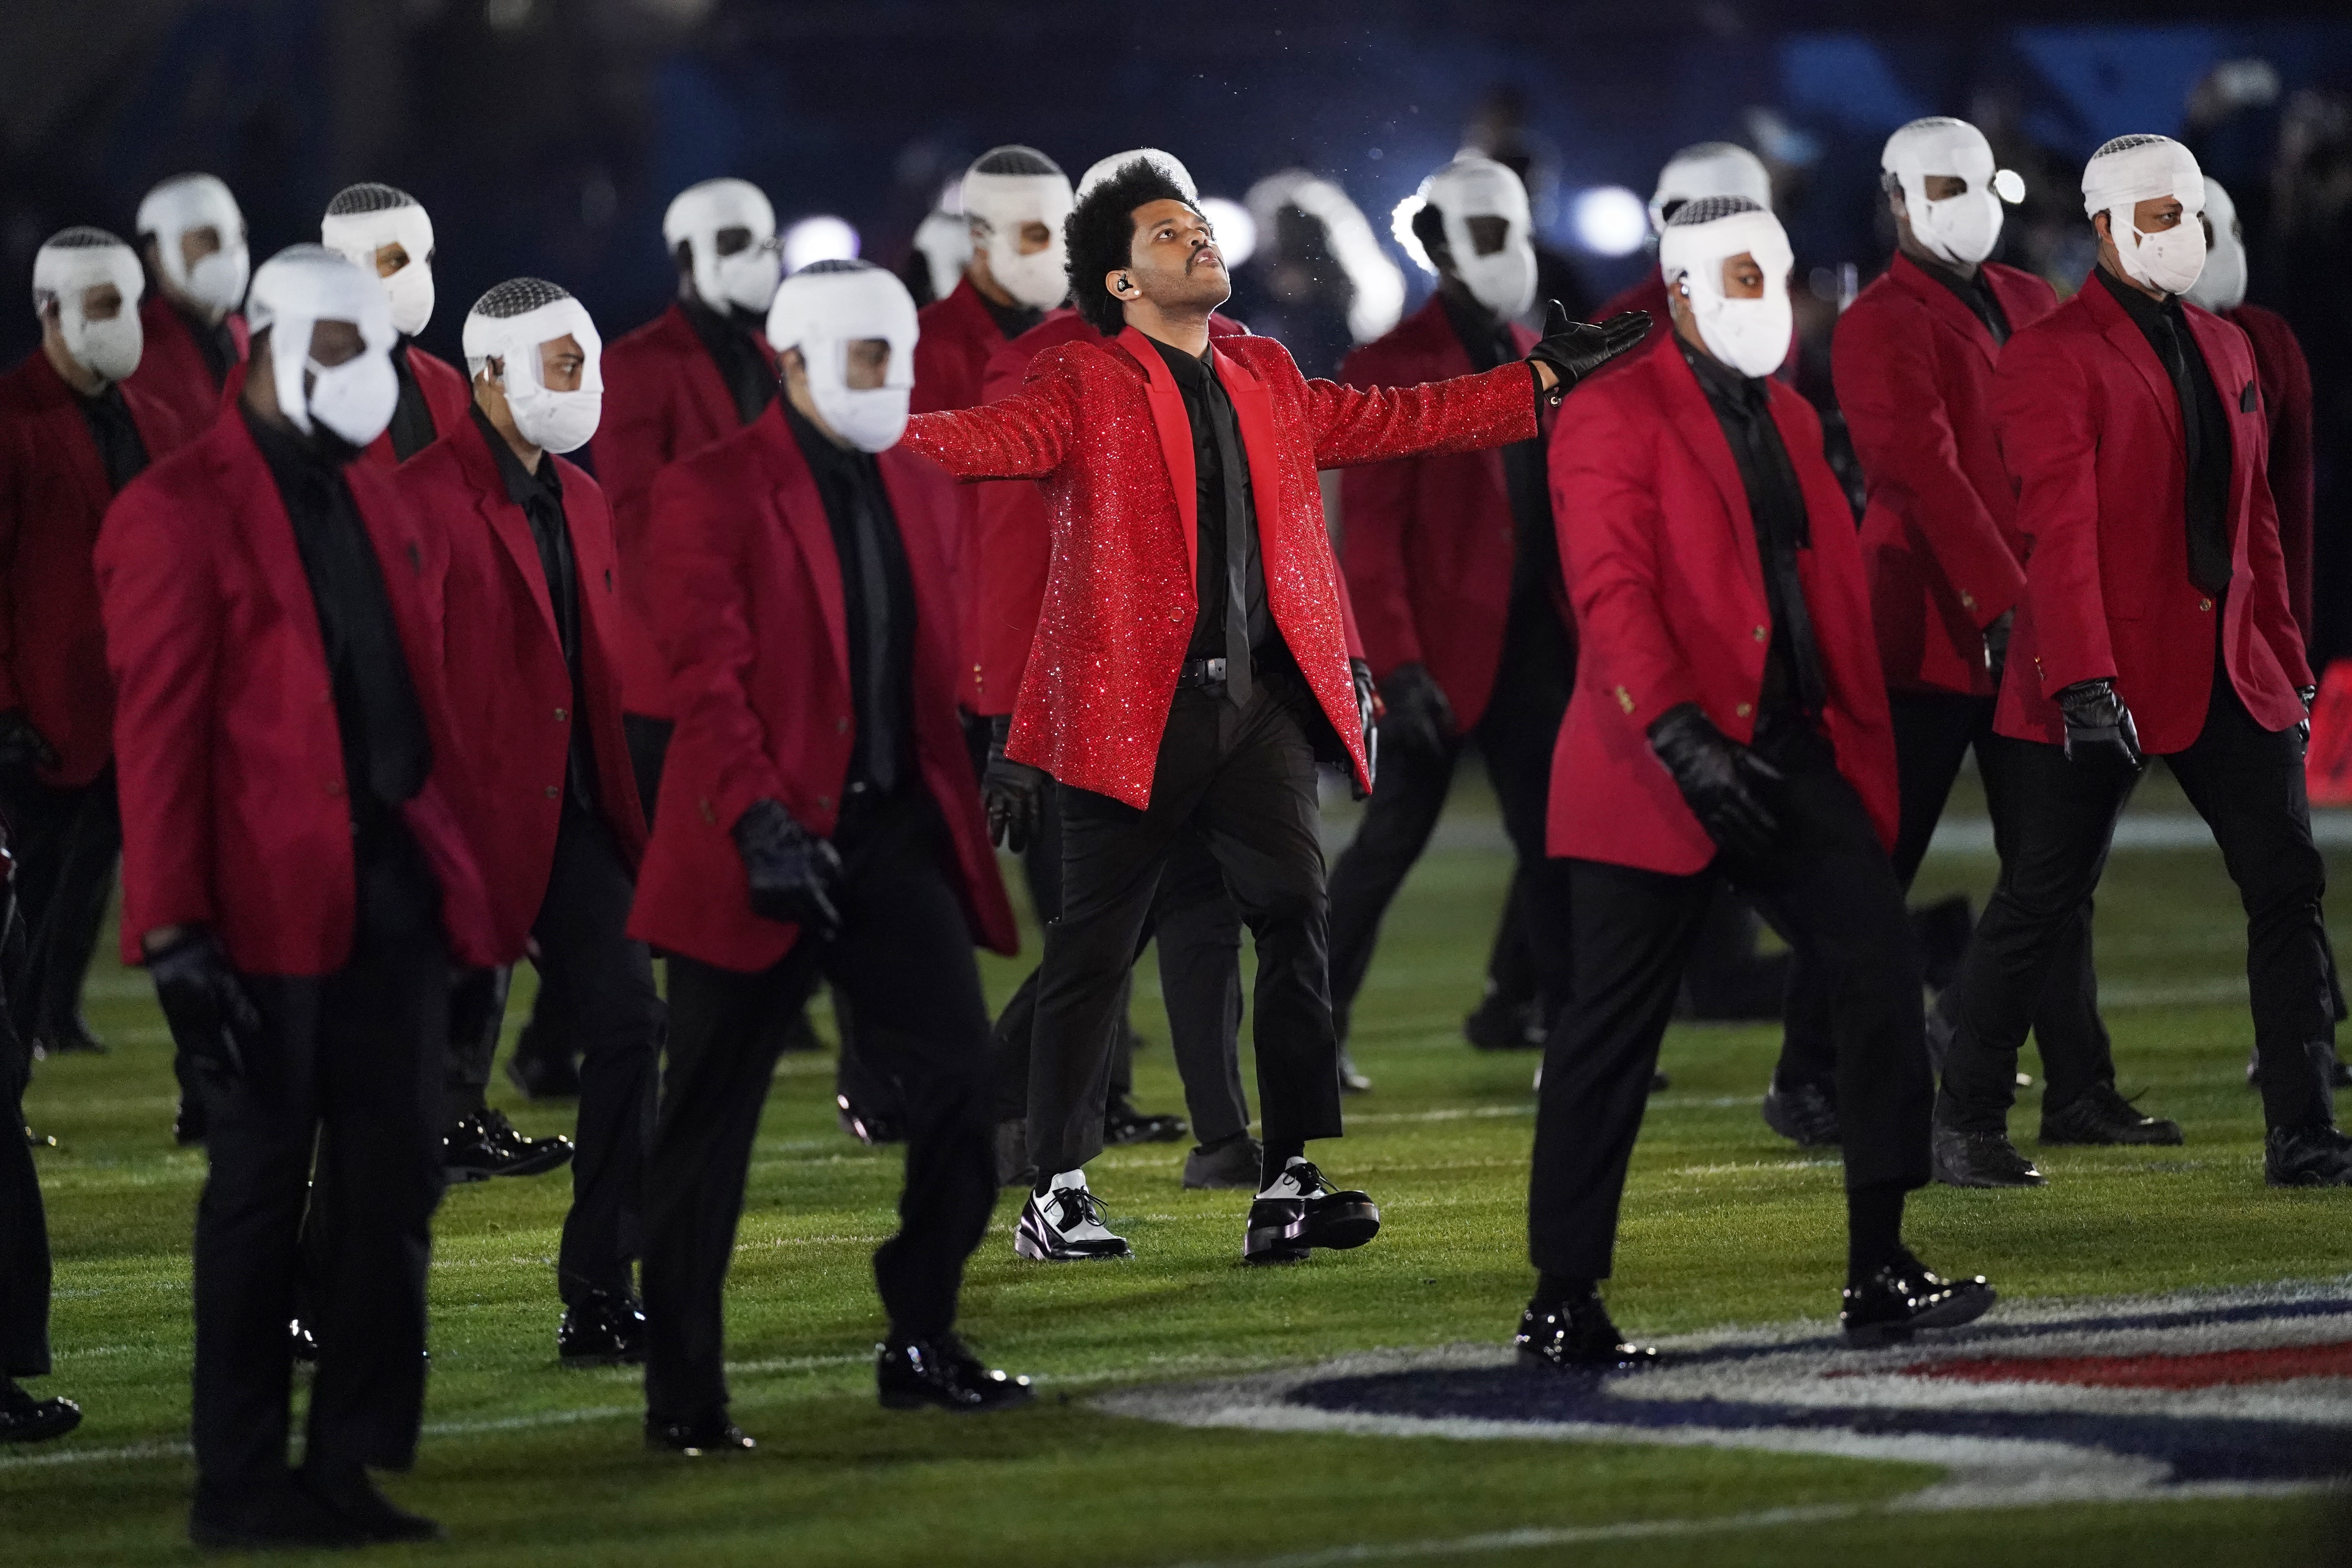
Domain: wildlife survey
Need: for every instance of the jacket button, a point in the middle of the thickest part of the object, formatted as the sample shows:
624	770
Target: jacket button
560	715
841	726
1967	600
1762	632
552	792
1745	708
2204	603
335	788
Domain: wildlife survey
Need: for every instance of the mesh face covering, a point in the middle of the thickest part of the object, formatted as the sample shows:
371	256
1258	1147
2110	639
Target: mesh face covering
364	218
1752	336
1005	190
73	262
510	324
1709	169
2133	169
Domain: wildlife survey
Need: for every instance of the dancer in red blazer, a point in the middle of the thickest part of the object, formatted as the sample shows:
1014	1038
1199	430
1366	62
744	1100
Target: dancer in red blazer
1701	170
72	434
1729	719
1190	662
191	236
298	878
534	595
385	230
820	819
2155	621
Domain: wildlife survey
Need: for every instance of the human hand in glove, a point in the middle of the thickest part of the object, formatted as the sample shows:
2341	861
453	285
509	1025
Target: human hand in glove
23	749
204	999
1416	714
2099	728
1571	349
794	872
1996	641
2310	694
1014	793
1719	777
1369	710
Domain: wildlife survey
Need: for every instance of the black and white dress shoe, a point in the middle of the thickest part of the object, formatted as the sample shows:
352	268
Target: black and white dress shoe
1065	1224
697	1437
1966	1159
1301	1211
1899	1298
24	1419
938	1371
602	1329
1576	1335
487	1144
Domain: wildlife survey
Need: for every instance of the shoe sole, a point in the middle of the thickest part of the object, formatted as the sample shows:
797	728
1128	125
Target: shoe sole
2170	1139
1952	1314
1795	1135
917	1402
47	1430
1028	1244
1340	1229
2341	1180
537	1165
1535	1361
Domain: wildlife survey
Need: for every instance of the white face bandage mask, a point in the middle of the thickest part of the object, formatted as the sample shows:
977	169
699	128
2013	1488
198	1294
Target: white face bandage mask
2222	285
386	216
1473	187
66	269
999	206
293	291
510	324
2133	169
1751	336
1964	228
187	202
1709	169
821	311
744	280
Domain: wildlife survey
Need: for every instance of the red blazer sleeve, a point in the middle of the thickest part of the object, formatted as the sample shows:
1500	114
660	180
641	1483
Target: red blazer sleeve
701	612
631	446
1605	509
13	502
1349	424
2286	393
1894	405
1375	510
1024	436
2042	416
162	641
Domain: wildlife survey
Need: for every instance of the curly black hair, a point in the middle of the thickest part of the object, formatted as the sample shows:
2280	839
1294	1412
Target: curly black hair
1100	238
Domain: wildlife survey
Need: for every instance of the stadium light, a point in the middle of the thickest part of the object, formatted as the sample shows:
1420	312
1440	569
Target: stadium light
1236	230
820	236
1608	220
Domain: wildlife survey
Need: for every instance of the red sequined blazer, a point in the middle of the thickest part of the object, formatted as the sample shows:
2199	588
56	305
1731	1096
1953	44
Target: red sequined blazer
1102	428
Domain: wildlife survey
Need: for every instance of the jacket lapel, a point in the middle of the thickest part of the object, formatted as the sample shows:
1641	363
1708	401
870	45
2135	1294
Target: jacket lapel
1949	309
2124	334
703	382
1693	420
69	429
1175	427
2214	337
796	498
268	532
506	520
1253	412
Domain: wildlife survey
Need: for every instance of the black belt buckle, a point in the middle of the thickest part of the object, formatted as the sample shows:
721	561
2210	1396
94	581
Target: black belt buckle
1205	672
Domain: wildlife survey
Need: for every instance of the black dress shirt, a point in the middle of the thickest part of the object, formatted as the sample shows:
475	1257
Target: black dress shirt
412	417
541	495
742	360
1011	320
1535	555
1226	518
1793	684
1974	291
2204	429
877	601
386	754
121	452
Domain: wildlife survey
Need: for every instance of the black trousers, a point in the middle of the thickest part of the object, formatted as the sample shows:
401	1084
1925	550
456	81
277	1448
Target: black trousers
904	958
1830	883
67	843
1244	779
348	1063
2247	783
24	1225
1933	732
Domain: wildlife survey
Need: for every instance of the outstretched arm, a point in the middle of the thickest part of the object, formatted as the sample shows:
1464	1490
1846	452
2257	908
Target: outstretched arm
1024	436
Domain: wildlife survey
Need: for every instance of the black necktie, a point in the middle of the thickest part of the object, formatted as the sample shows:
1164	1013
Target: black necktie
1237	541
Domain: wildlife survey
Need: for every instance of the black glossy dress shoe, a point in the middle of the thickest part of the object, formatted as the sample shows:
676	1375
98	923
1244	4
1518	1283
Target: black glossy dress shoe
305	1342
698	1438
1301	1211
1576	1335
870	1127
1232	1166
602	1329
2307	1157
69	1037
939	1372
1963	1159
371	1515
1803	1113
1905	1295
2100	1116
543	1075
1500	1023
487	1144
24	1419
274	1514
1122	1123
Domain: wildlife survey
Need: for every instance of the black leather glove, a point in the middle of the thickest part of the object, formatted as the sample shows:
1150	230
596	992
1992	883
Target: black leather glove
22	748
205	1000
1014	793
2099	728
1367	715
2310	694
1718	778
1415	714
1576	349
1996	640
794	872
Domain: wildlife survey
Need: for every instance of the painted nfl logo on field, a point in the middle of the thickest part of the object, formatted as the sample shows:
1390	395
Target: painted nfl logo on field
2222	1390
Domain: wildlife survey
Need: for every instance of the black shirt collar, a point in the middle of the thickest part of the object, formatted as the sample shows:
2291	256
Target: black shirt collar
1723	386
1011	320
1191	371
1481	334
291	458
825	459
522	486
2142	310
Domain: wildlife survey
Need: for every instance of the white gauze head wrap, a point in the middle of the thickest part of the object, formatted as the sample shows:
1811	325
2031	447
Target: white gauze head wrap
508	324
822	309
1005	189
2222	285
185	201
1166	162
293	291
1751	336
1962	229
943	239
1472	186
364	218
745	281
2133	169
1709	169
65	269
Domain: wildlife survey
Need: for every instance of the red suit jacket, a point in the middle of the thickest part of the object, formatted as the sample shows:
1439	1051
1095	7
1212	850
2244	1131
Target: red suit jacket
2090	432
663	400
1914	371
53	496
1660	552
1428	541
2285	378
951	354
1012	541
506	670
1103	427
229	760
449	397
747	594
171	368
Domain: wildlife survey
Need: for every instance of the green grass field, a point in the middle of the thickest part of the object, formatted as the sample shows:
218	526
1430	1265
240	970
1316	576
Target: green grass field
1726	1224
